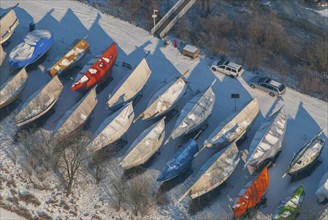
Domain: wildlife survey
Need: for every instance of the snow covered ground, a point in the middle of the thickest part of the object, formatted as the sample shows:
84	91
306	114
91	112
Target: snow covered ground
5	215
71	20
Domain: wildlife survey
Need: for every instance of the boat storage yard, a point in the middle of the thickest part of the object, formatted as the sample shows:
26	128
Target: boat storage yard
306	116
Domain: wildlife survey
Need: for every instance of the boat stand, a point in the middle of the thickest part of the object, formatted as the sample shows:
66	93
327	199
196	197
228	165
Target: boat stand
171	114
137	98
103	85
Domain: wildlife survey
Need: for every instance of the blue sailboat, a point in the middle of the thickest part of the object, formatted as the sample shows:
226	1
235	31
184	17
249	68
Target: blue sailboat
35	45
180	162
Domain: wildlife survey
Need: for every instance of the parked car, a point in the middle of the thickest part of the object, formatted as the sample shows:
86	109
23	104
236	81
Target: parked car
227	67
273	87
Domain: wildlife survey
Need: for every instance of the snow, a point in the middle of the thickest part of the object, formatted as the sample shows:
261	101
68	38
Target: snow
306	115
26	49
92	71
190	48
6	215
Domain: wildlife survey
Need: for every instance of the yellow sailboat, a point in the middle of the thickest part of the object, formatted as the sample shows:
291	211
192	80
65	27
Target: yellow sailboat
71	58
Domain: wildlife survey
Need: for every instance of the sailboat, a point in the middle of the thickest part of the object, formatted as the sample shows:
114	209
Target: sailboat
112	128
234	127
130	86
13	88
97	70
40	102
267	142
194	113
180	162
8	24
165	98
215	171
289	207
252	193
34	46
2	55
77	115
307	155
71	58
145	145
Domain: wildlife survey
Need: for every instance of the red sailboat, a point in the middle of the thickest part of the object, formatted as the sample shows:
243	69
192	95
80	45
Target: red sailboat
96	71
252	194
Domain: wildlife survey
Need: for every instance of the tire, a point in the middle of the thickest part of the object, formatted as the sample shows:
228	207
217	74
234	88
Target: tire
232	76
213	68
272	94
252	86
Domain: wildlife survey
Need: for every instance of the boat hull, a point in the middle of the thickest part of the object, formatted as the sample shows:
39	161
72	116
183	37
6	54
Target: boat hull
40	49
40	102
307	168
8	28
180	163
99	72
300	162
22	76
70	59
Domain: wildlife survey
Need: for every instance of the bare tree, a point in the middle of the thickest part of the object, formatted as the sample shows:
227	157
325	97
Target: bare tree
38	149
116	189
73	156
139	194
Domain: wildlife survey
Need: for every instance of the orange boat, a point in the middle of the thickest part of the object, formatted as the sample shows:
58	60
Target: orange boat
252	194
96	71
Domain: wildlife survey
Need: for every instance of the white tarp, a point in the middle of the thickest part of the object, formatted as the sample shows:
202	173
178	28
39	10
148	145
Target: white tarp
268	139
194	113
8	24
215	171
165	98
145	145
233	127
77	115
322	191
39	102
11	89
113	128
131	85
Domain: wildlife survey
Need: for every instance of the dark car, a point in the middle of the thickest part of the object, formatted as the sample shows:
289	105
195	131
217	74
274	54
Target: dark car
273	87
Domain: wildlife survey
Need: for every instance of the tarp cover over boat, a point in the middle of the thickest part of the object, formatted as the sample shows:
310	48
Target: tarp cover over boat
322	191
96	71
35	45
12	88
216	171
288	208
234	127
77	115
39	102
165	98
2	55
180	162
113	128
8	24
252	193
267	141
145	145
194	113
130	86
307	155
72	57
324	214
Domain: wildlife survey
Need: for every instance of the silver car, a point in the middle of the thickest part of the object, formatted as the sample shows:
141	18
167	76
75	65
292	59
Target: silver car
273	87
227	67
